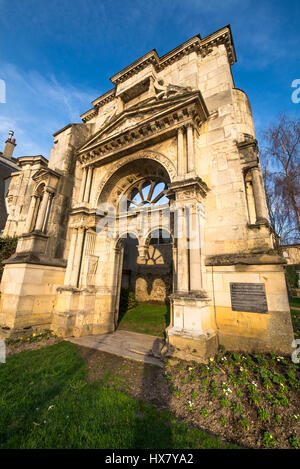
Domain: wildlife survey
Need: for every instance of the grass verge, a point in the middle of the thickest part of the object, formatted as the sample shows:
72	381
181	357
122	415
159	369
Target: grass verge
146	319
46	402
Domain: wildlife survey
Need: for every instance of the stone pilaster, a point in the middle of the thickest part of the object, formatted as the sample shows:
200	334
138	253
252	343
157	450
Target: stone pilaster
88	184
77	256
194	246
181	158
30	214
42	211
83	184
190	148
71	258
182	266
258	193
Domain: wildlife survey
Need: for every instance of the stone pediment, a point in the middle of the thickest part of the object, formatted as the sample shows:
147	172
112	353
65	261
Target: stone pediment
148	118
48	176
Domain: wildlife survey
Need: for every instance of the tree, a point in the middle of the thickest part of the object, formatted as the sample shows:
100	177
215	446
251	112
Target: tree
280	158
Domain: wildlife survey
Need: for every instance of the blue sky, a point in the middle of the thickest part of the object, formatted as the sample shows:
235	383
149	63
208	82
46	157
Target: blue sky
57	56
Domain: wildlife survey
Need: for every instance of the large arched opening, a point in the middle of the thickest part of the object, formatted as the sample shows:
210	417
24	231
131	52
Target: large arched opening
138	195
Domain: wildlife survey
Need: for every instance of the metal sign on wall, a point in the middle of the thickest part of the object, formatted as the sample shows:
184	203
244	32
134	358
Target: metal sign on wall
248	297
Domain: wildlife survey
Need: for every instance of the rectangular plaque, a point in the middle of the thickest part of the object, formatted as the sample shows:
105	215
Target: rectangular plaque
249	297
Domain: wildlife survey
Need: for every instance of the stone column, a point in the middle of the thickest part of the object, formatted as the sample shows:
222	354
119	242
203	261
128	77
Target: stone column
181	160
174	259
88	184
83	184
190	148
30	214
182	267
194	249
119	255
258	194
42	211
71	257
77	257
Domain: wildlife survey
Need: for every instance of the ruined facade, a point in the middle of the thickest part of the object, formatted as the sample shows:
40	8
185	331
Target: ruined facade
171	147
8	165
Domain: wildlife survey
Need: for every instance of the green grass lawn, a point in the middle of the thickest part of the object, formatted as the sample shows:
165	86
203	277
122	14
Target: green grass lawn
46	402
146	319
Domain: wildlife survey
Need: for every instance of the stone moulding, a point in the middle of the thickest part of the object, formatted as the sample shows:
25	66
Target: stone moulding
190	107
146	154
246	259
189	187
190	295
31	258
196	44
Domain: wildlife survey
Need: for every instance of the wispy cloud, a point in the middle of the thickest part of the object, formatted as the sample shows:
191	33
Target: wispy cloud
36	106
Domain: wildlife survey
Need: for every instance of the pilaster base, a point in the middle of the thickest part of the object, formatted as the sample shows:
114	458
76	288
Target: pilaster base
192	333
191	346
77	313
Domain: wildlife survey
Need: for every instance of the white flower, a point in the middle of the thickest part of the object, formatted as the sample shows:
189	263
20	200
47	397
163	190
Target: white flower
50	407
254	384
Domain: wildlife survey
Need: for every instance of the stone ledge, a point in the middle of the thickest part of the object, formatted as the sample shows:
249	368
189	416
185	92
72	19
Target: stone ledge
32	258
270	257
190	295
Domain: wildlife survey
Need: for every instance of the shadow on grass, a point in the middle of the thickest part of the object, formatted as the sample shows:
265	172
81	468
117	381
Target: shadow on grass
47	402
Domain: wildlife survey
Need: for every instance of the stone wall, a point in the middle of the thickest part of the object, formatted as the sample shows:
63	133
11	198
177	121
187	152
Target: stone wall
151	279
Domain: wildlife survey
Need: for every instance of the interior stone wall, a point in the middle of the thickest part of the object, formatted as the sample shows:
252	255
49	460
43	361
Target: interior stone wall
151	279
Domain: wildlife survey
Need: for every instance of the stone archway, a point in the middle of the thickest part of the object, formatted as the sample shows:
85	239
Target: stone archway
138	197
147	158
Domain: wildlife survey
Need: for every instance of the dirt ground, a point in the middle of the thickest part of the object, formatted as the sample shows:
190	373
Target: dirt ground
172	388
20	346
156	386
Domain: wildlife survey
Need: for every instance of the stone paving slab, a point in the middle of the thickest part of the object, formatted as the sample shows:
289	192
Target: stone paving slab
125	344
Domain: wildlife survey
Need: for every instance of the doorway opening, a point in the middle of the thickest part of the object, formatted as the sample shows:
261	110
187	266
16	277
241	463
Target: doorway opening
146	283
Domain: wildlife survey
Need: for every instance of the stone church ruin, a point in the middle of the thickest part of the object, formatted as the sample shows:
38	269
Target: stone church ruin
159	189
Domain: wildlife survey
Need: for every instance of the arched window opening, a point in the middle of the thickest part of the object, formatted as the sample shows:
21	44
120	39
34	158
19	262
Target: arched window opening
147	194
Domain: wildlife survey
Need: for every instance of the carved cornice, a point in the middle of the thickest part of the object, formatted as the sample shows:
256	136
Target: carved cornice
49	177
98	103
202	47
245	258
162	124
189	188
248	150
84	218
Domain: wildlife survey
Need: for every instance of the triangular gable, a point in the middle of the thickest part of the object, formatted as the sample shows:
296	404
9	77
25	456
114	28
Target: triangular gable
142	113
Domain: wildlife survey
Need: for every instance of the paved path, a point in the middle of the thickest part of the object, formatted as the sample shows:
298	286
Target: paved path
140	347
